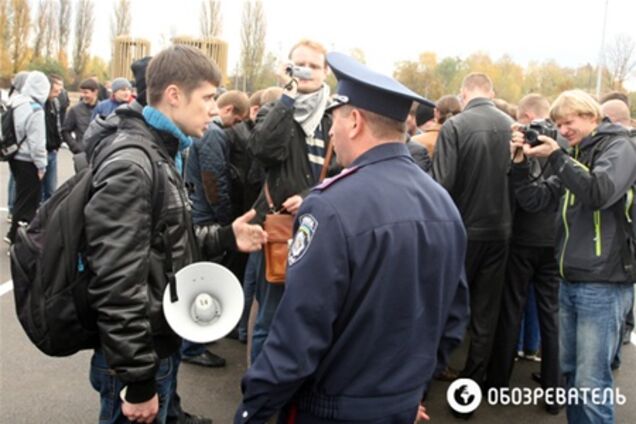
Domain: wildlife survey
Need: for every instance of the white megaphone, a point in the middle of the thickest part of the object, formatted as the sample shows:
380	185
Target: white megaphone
206	304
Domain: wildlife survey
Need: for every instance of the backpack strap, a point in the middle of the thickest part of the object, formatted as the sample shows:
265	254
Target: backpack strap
157	161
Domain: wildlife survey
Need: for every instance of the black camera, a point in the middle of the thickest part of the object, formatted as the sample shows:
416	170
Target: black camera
538	127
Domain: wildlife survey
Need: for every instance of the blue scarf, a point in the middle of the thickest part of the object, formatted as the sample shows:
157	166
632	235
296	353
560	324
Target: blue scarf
161	122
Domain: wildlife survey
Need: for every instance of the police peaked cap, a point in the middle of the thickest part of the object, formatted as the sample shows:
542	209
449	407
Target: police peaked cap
361	87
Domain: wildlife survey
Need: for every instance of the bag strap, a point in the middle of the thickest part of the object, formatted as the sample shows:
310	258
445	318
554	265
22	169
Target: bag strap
325	165
323	175
157	162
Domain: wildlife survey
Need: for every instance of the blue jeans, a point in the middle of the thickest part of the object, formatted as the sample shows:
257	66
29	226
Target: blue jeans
11	194
529	337
109	386
252	269
590	319
49	182
268	296
190	349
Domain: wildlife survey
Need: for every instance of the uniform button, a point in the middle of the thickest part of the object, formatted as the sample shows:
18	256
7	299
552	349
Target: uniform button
244	414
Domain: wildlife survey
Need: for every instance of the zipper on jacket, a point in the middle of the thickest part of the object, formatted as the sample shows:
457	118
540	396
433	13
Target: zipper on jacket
628	204
567	232
597	232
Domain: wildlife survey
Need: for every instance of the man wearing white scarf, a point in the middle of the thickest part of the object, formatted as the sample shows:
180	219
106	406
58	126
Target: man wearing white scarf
290	139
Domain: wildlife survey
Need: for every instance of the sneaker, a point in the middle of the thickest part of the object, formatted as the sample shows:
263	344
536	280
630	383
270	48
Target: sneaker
532	356
206	359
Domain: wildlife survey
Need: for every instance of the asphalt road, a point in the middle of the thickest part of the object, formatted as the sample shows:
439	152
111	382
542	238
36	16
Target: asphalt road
37	389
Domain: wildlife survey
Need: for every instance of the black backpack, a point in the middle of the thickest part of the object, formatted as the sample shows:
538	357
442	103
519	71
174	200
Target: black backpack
50	275
9	144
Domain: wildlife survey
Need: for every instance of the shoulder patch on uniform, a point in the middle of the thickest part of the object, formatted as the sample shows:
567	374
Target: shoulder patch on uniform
328	182
307	226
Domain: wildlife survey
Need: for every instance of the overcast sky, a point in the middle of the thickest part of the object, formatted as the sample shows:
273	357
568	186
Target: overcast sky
568	31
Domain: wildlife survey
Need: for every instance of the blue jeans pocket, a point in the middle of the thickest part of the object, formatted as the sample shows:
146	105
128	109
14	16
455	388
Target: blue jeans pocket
104	382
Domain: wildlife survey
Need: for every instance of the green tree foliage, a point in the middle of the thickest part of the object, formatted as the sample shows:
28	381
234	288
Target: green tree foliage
49	65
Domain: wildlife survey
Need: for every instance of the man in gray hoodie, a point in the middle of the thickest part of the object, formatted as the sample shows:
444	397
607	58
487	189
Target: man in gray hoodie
29	164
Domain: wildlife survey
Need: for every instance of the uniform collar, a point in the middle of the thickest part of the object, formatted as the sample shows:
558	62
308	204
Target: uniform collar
381	152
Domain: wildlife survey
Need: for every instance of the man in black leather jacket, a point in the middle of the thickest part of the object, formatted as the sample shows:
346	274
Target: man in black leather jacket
471	161
134	365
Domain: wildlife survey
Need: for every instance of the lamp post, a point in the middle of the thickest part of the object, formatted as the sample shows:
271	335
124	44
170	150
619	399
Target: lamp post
601	54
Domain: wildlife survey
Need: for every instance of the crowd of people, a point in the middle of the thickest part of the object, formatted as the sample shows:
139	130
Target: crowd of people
464	217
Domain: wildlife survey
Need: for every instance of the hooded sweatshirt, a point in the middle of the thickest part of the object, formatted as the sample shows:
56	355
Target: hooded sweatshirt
28	118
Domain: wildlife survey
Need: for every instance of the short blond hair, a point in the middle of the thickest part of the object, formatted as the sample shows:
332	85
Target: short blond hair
535	103
311	44
477	81
575	102
239	101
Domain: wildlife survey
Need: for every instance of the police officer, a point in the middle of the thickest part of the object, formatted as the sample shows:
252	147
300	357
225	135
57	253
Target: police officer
375	279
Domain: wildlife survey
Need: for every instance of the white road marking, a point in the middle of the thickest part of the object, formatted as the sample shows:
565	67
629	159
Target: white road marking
8	286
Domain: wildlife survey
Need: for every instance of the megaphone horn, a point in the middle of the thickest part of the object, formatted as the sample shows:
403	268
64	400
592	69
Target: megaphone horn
207	303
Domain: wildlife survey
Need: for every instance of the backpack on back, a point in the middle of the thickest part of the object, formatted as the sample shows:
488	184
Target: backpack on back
9	144
48	267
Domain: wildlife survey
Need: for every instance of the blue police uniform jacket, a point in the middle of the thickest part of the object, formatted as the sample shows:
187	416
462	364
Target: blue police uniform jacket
375	285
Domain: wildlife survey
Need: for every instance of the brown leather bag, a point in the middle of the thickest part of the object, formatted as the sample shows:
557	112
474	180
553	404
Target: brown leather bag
279	227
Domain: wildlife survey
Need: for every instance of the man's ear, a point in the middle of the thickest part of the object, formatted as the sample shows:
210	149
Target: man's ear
357	124
172	95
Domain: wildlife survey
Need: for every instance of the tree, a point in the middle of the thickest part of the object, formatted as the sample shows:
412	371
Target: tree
48	65
19	38
358	54
64	30
620	58
5	38
252	42
46	29
84	20
97	66
121	21
210	18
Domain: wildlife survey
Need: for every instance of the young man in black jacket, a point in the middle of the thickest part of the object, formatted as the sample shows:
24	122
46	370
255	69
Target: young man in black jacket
594	188
79	116
133	368
53	119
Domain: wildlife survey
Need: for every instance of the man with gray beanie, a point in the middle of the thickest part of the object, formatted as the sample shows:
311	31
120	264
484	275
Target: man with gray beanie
121	95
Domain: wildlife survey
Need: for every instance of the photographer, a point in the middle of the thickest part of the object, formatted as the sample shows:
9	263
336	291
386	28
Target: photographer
531	266
591	248
290	140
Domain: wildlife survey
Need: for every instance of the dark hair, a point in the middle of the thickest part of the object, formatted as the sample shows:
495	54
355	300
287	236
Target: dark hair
183	66
615	95
423	113
89	84
447	106
53	78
